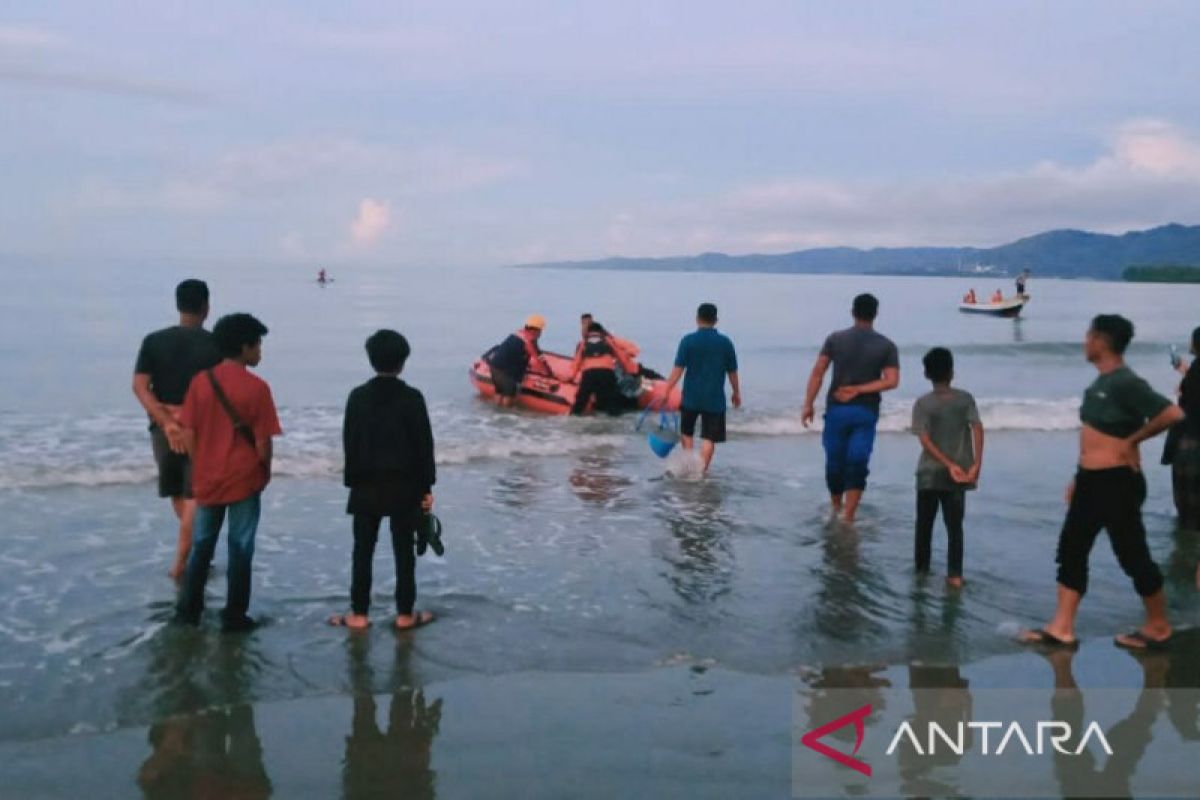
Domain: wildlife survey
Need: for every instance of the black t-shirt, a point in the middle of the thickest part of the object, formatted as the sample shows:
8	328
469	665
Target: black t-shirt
172	357
1189	399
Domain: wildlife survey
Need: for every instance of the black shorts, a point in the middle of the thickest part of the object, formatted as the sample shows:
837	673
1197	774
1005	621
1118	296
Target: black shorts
506	385
174	469
712	425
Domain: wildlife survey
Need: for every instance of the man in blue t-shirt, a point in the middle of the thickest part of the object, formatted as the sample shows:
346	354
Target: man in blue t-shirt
706	356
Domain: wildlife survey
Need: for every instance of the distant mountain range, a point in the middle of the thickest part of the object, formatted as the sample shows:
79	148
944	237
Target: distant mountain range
1060	254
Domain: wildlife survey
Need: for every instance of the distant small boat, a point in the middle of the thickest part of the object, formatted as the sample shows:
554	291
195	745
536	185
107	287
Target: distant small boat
1005	308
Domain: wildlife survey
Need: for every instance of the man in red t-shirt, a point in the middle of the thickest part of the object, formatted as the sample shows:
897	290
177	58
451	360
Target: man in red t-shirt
228	419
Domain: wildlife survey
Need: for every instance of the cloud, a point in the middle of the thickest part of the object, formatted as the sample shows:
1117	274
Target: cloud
102	84
371	222
1148	174
277	173
15	37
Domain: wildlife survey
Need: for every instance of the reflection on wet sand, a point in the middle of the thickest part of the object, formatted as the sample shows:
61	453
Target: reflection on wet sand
206	744
700	552
939	696
595	479
395	761
1080	776
851	593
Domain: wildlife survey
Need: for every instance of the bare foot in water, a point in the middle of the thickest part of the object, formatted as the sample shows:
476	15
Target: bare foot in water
955	582
355	622
406	622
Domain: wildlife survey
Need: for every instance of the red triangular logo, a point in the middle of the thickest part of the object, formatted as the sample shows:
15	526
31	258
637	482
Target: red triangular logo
812	739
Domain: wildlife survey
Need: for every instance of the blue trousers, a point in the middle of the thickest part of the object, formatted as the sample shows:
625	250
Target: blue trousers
849	437
243	525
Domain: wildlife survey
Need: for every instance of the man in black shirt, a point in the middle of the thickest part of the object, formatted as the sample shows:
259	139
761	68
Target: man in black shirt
390	470
166	363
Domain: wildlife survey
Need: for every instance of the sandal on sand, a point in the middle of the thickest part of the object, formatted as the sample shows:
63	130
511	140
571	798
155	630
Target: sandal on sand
1138	641
1046	639
343	621
420	620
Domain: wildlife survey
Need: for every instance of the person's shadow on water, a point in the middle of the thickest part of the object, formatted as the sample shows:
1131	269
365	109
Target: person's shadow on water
395	761
205	744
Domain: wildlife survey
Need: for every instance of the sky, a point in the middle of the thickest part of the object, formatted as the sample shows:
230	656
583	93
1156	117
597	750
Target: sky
497	132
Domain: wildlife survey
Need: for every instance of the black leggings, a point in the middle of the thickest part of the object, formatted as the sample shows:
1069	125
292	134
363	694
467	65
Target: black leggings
954	506
603	384
366	532
1109	499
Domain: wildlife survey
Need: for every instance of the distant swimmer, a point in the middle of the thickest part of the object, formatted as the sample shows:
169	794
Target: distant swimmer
865	364
166	363
323	277
595	367
511	359
705	358
1119	412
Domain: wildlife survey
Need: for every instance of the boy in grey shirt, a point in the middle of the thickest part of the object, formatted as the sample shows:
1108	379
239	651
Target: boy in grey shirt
947	422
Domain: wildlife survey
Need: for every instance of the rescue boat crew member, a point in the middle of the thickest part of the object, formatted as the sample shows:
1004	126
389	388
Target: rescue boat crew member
509	360
597	360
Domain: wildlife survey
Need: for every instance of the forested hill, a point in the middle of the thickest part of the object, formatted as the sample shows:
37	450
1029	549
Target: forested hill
1061	253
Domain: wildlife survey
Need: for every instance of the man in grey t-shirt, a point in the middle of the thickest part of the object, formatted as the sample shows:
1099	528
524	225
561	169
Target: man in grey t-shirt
947	422
865	364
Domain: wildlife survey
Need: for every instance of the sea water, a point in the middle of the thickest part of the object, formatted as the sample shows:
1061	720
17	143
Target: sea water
569	546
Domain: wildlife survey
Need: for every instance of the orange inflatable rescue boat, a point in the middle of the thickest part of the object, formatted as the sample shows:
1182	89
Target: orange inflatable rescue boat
554	395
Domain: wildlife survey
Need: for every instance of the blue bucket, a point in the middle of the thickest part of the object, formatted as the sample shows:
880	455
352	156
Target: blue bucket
662	439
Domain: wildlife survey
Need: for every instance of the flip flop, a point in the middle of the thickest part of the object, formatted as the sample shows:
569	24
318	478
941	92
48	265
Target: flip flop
1147	645
1044	638
341	621
420	620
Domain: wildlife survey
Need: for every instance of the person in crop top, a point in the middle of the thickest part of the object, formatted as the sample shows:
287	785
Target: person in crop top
1119	412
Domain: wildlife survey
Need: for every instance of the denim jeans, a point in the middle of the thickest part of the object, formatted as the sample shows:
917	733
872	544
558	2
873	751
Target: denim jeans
243	525
849	438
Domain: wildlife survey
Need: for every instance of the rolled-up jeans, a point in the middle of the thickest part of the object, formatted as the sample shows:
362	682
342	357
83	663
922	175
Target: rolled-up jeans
243	525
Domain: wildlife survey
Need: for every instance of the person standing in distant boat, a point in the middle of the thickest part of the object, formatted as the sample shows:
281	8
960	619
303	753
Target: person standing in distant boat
1022	279
705	358
865	364
1119	412
166	363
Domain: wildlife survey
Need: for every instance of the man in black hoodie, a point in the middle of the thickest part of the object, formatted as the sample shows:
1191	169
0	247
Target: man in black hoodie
388	445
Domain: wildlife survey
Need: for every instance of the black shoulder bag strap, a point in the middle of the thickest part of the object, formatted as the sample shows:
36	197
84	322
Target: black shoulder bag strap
239	427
